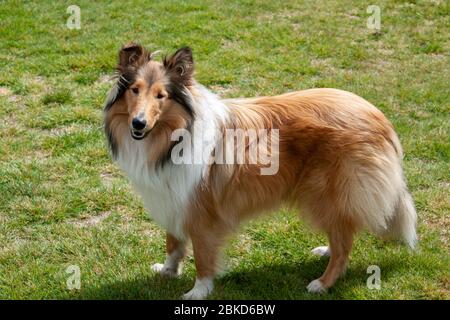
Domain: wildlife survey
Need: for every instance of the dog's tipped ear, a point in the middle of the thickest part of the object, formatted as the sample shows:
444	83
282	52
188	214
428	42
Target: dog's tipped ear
180	66
132	55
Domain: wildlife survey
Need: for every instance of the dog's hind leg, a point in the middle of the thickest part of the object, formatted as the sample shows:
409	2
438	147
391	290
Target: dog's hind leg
176	251
341	240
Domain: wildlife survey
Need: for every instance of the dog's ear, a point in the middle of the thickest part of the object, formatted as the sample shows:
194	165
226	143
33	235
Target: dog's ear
131	56
180	66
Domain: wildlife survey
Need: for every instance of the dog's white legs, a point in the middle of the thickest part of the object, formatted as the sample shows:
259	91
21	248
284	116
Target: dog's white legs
201	289
172	267
176	250
323	251
340	247
316	286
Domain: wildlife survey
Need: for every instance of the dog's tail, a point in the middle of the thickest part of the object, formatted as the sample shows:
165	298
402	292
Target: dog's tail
402	224
404	220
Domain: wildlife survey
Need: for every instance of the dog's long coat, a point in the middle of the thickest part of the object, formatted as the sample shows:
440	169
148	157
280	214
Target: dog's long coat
340	163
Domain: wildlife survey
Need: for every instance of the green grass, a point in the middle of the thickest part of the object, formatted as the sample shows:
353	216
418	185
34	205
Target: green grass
63	202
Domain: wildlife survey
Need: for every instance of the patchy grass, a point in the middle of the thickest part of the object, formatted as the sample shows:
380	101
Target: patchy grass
59	97
64	203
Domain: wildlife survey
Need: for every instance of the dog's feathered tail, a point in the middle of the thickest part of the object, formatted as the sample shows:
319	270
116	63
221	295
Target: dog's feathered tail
402	224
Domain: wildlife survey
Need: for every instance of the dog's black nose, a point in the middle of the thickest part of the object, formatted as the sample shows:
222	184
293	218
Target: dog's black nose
138	123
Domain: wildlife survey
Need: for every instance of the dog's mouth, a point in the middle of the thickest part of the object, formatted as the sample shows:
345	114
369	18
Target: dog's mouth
139	134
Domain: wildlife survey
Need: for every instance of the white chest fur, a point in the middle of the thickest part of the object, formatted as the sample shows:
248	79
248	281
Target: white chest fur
165	192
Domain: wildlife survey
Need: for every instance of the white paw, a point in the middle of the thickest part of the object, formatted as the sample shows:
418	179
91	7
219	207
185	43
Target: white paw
201	290
323	251
195	294
316	287
165	271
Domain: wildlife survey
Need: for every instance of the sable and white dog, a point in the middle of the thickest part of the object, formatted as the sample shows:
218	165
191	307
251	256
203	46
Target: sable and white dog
339	162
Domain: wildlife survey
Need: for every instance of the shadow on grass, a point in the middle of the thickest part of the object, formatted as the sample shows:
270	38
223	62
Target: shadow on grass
281	281
278	281
148	287
289	280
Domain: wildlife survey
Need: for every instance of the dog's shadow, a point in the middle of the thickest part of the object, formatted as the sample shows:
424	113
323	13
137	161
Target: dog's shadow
271	281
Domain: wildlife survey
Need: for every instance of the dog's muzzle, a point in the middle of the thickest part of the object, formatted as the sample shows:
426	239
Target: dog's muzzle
138	126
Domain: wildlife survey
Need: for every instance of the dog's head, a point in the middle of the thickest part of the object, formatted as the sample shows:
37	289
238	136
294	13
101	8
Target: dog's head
153	91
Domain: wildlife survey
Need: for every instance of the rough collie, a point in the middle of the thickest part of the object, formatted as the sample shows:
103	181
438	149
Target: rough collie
335	158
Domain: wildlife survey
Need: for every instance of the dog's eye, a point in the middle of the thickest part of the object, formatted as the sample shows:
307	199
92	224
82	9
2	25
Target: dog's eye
135	90
160	95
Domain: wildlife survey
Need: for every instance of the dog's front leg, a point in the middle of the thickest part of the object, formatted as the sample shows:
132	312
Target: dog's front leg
176	251
206	251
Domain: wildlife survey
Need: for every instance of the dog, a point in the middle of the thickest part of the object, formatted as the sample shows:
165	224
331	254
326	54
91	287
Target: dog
338	162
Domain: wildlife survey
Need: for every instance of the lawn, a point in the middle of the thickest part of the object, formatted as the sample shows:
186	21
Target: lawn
64	203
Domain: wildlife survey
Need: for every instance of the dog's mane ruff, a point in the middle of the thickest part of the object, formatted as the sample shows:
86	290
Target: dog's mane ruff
150	168
114	94
209	106
205	108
